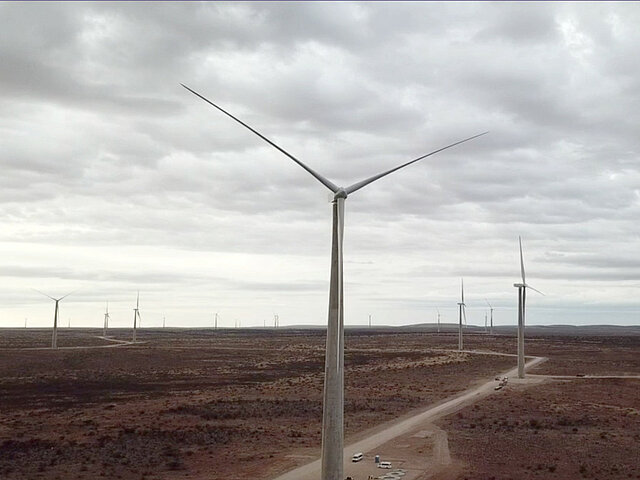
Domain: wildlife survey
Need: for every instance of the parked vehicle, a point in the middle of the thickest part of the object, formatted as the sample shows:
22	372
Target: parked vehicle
384	465
357	457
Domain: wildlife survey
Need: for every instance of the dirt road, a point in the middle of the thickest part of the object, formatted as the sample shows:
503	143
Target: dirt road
311	471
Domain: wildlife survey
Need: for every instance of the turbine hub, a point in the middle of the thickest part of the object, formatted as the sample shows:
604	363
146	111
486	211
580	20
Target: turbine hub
341	193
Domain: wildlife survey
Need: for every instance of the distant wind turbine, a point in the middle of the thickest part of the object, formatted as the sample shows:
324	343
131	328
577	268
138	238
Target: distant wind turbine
164	321
215	321
491	317
54	336
106	321
369	321
463	314
438	319
136	316
522	295
333	401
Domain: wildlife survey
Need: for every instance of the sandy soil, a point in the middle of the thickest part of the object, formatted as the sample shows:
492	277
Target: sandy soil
205	404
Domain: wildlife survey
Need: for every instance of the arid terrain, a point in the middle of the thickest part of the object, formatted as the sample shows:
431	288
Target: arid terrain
238	404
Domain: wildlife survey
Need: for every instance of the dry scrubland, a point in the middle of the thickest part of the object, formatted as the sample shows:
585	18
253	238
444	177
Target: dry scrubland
205	404
247	404
560	428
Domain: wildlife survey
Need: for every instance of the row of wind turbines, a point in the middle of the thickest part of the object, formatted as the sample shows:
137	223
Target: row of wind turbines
522	287
137	320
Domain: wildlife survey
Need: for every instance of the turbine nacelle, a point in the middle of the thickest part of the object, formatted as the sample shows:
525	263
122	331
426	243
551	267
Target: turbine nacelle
341	193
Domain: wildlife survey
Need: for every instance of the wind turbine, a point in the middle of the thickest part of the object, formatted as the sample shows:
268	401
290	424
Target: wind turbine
485	321
369	320
522	296
438	319
54	336
333	402
463	313
276	320
136	316
215	321
106	321
164	321
491	317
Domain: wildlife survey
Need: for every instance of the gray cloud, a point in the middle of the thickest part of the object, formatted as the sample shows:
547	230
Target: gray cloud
110	165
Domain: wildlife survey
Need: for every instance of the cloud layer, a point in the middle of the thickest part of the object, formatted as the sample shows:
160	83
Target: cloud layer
116	179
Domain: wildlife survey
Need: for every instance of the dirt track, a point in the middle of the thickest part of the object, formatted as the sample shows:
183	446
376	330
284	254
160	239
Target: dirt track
375	442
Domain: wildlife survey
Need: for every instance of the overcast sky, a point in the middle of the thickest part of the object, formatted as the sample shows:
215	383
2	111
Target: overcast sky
116	179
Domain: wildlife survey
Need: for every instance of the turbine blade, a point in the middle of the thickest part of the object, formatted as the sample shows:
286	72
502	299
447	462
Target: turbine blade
364	183
42	293
462	284
521	261
67	294
138	300
464	313
326	182
488	303
527	286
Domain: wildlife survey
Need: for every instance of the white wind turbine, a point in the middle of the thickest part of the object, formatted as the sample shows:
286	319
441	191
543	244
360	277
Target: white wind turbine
215	321
136	316
333	402
54	335
106	321
463	314
438	319
490	317
522	296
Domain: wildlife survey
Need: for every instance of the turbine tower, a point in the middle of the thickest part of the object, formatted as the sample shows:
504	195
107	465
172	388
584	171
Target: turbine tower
463	314
164	321
522	296
333	402
490	317
438	319
215	321
54	335
136	316
106	321
276	320
369	320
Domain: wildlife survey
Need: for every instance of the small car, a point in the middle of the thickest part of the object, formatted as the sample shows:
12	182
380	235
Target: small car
357	457
384	465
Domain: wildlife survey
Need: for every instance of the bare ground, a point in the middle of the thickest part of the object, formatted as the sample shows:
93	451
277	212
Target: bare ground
205	404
